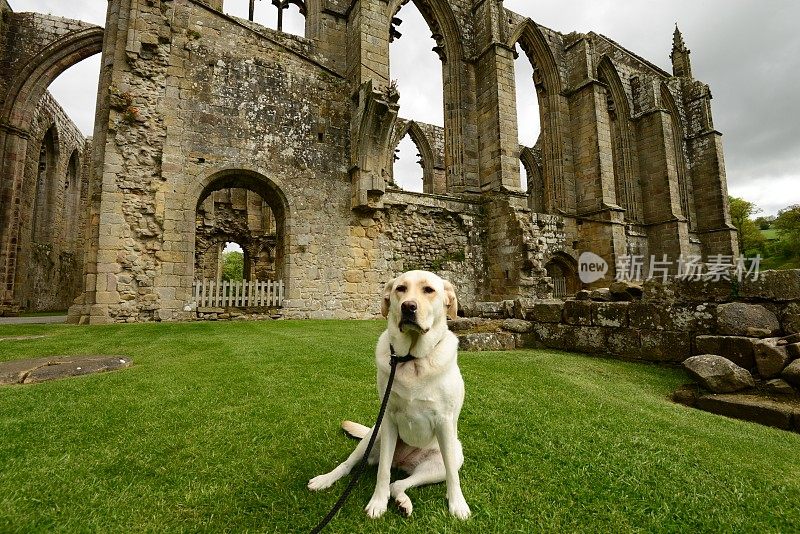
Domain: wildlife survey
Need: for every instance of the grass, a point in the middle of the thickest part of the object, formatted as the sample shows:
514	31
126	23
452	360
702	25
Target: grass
44	314
217	428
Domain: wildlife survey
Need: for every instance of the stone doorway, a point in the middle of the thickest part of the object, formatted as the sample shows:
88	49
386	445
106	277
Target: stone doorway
239	221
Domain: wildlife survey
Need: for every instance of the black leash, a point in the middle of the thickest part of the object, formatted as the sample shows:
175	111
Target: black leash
393	361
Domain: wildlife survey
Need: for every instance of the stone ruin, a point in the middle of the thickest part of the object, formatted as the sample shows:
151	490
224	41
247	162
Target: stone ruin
193	103
740	341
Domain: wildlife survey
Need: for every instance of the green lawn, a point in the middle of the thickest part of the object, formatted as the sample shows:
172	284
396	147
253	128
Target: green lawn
217	427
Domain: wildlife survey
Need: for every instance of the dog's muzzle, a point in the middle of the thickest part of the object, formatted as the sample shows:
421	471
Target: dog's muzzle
408	316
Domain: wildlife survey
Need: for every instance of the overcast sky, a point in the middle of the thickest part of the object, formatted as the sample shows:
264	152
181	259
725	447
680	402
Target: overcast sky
747	50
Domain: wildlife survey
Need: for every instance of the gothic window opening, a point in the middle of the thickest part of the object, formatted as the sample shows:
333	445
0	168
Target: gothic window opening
529	122
72	199
45	179
685	191
237	235
408	167
416	65
286	16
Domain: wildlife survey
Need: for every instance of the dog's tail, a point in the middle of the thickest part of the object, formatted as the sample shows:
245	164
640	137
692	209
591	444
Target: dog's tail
355	430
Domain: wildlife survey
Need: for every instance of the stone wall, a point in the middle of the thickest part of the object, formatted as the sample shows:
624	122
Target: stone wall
54	201
661	322
427	233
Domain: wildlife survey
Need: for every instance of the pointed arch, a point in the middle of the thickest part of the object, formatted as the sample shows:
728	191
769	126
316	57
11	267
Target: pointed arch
678	137
31	83
535	180
72	199
558	195
532	41
446	31
623	142
45	189
417	135
16	116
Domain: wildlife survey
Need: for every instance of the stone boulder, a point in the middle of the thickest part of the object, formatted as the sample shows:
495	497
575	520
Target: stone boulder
602	295
625	291
792	373
752	320
770	357
718	374
778	386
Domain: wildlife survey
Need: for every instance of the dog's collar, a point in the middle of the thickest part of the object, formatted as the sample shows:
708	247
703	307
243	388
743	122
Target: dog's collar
400	359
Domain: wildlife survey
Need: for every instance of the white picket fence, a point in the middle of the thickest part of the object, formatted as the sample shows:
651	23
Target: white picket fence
238	294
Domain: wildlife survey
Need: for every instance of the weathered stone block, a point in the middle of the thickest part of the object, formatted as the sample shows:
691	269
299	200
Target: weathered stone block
547	311
517	326
773	285
625	342
488	341
523	309
578	312
770	358
589	339
790	318
718	374
490	310
740	319
737	349
665	346
613	314
644	315
748	408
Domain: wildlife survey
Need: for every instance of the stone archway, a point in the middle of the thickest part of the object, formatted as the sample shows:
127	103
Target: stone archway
238	216
272	244
563	271
16	115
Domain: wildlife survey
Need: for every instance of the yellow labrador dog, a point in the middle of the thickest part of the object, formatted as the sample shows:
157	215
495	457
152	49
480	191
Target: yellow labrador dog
419	431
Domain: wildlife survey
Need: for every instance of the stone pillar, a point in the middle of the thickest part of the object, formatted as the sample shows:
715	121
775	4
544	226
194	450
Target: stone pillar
668	230
600	220
326	24
711	204
498	154
368	44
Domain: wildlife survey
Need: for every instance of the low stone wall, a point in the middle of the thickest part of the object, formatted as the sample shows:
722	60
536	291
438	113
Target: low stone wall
659	322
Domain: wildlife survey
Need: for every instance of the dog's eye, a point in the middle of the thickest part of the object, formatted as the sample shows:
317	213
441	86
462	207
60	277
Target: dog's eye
428	289
401	289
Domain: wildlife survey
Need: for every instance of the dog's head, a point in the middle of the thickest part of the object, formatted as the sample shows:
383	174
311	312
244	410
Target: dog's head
417	300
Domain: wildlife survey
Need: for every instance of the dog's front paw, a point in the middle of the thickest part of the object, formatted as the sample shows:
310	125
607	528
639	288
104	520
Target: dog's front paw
459	508
377	506
321	482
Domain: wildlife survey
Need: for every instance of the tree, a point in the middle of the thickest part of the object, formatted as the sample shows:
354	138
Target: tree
232	266
764	223
788	226
750	237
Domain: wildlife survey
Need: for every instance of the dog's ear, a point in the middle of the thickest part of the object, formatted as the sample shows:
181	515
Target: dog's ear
387	294
450	300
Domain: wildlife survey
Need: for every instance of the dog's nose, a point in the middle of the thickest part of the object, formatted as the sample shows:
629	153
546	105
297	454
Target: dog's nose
409	306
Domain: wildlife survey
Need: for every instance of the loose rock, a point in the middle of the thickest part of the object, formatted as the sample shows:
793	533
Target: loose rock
718	374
